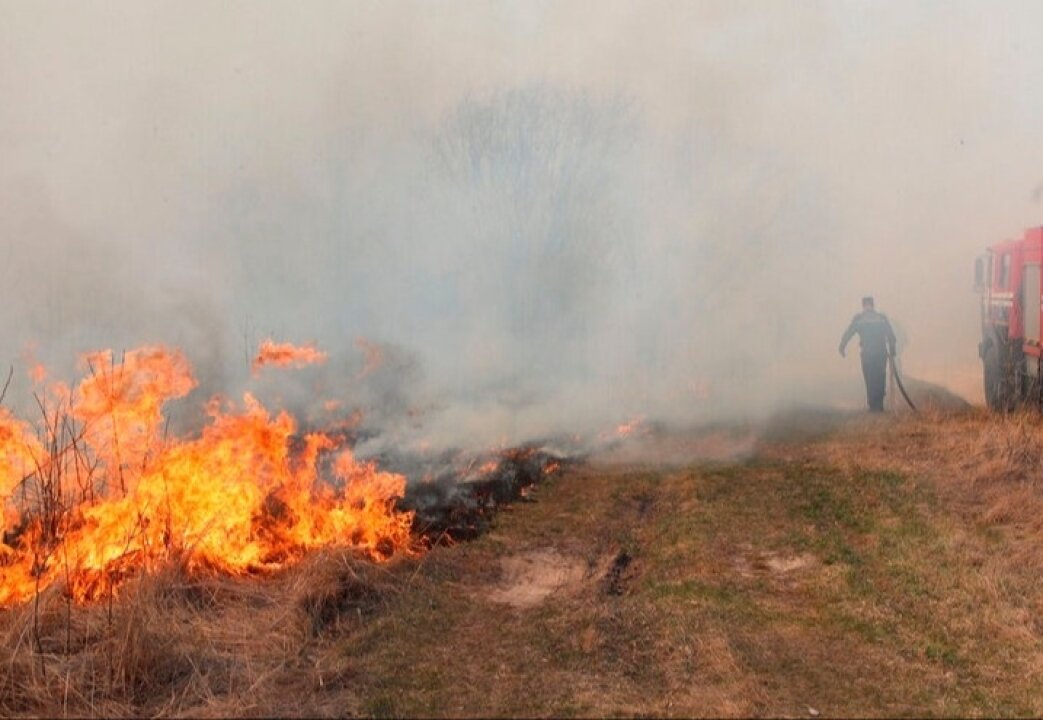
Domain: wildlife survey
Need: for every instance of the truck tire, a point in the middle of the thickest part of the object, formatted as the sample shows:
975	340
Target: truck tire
999	391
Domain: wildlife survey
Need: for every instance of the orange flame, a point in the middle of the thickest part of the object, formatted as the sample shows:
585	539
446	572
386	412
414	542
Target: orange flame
19	450
287	355
488	467
628	428
245	496
121	404
37	373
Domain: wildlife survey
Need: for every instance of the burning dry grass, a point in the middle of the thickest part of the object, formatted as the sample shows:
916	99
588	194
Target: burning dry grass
132	564
97	491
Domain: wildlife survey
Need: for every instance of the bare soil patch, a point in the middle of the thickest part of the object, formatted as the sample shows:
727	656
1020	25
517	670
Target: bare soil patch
529	577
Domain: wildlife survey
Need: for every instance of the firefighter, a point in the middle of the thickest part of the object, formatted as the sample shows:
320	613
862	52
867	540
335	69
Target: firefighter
878	342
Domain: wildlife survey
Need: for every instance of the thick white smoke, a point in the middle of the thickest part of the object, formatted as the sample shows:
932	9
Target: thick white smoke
555	219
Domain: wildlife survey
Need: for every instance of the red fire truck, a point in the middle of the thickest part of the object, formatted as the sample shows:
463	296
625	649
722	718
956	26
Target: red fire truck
1008	279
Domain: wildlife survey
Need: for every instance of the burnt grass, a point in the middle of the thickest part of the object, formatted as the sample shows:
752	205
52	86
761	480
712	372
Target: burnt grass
454	505
870	568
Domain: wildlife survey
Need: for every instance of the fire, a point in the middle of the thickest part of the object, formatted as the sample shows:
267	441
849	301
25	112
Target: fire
120	404
287	355
98	492
37	373
628	428
18	450
36	370
488	467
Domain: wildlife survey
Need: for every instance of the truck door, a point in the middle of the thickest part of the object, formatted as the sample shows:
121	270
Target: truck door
1030	302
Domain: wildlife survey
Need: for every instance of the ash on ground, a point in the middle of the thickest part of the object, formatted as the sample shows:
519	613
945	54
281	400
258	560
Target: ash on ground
457	494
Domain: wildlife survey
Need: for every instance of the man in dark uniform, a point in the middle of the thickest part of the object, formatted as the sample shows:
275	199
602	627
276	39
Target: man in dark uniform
878	342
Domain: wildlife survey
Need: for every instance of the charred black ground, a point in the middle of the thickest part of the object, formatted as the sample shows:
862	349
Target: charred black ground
458	496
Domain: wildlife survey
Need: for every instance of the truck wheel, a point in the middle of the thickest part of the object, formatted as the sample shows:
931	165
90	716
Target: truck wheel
997	385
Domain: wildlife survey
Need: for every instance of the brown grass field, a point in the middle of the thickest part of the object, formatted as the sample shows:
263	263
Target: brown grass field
825	564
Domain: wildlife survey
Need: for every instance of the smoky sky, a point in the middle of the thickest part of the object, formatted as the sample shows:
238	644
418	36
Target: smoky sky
555	217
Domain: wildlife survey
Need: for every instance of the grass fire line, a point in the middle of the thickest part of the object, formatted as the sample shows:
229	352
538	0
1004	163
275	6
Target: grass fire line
94	491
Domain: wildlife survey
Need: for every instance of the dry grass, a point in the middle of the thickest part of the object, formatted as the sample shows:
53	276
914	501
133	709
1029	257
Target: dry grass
173	645
987	468
853	565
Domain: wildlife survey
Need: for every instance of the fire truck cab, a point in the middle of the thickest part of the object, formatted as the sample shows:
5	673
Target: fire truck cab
1007	278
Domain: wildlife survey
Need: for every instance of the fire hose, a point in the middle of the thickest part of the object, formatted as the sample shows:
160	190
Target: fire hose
898	381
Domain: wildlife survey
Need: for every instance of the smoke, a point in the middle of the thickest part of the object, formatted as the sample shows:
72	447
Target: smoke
551	220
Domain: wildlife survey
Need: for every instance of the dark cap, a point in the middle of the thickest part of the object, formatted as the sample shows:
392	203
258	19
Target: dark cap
867	300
